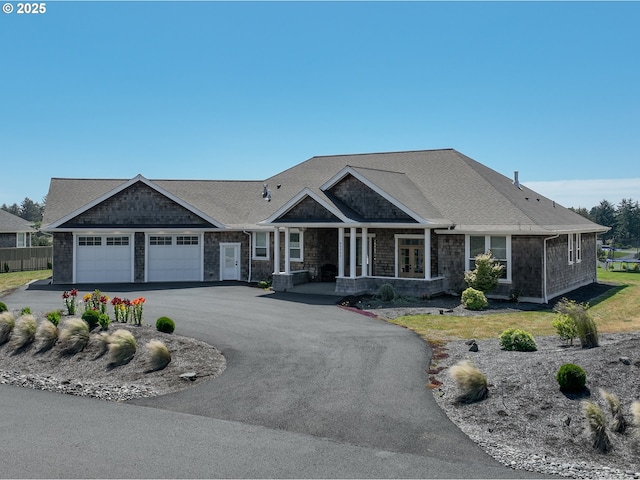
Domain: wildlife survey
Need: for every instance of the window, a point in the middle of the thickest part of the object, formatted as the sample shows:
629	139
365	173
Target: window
295	245
500	247
261	245
160	240
574	248
187	240
117	241
89	241
570	252
21	240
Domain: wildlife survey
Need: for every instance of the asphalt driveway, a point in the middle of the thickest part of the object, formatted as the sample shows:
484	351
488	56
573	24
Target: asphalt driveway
310	390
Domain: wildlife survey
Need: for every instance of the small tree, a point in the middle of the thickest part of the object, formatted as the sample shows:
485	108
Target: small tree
486	274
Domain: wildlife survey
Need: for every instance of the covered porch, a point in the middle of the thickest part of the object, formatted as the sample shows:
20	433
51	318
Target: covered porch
358	258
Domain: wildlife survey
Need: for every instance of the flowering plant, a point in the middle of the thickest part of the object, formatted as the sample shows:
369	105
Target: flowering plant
104	299
69	298
137	305
118	309
86	299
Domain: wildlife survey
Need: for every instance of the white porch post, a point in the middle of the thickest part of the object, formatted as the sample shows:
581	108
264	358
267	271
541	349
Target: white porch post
287	252
365	253
352	252
341	252
276	250
427	253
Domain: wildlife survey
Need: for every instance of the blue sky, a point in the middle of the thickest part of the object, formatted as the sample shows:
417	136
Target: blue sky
243	90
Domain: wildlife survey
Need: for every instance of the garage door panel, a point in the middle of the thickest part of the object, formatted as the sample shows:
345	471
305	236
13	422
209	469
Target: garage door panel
99	260
171	261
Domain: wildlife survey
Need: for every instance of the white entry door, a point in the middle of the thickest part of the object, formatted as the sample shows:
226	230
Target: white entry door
229	261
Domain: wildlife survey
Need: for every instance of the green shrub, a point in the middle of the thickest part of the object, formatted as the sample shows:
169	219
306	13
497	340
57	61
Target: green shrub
165	324
571	378
565	328
104	321
585	326
486	274
24	331
6	268
7	322
46	336
387	293
25	311
598	426
122	348
471	382
74	336
3	307
92	317
518	340
53	317
474	299
158	355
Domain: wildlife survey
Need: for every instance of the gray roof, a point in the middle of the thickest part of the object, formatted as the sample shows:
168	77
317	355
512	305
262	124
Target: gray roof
10	223
440	186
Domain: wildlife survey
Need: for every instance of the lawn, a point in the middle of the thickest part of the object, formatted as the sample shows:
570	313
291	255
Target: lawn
617	311
11	281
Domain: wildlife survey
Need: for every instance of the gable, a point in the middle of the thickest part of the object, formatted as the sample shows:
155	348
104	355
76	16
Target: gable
368	204
138	205
308	210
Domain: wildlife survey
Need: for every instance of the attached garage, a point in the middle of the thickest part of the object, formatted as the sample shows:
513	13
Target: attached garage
174	258
103	259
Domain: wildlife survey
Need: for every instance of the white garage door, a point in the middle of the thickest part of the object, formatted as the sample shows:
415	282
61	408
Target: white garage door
174	258
103	259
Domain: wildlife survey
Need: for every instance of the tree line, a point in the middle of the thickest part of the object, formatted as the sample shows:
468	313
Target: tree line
624	220
32	212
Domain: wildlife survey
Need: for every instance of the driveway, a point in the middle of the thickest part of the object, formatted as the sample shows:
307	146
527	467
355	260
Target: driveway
310	390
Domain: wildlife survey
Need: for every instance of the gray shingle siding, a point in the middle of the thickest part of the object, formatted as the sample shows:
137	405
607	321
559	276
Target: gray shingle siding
137	206
563	277
63	258
7	240
308	210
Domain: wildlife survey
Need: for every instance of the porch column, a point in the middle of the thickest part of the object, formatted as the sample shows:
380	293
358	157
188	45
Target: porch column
276	250
352	252
287	252
427	253
341	252
365	245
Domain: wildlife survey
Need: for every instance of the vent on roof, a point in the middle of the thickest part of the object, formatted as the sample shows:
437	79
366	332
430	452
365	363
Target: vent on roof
516	182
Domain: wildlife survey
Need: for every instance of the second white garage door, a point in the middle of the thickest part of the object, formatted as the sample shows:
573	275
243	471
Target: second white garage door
174	258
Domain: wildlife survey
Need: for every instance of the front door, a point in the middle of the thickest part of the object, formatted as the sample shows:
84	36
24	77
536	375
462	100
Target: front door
411	258
229	261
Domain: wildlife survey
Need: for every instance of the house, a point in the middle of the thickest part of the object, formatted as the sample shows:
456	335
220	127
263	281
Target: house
14	231
414	219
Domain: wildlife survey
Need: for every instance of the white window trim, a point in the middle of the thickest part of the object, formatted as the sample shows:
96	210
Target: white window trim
570	251
396	239
254	246
578	247
22	235
291	257
487	247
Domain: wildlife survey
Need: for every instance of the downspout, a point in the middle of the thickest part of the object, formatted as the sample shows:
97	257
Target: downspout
250	252
544	268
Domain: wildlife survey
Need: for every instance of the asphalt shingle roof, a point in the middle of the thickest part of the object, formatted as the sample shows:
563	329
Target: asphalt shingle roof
10	223
442	186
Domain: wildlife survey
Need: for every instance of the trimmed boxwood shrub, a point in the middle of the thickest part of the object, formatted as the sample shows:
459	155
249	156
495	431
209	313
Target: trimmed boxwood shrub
165	325
474	299
571	378
92	317
3	307
518	340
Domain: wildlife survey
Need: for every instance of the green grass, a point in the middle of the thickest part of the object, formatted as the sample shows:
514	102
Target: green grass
11	281
616	311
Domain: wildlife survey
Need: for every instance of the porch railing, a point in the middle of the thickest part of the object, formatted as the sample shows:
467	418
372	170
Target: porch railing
23	259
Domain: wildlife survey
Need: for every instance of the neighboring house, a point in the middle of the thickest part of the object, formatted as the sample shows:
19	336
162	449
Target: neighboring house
413	219
14	231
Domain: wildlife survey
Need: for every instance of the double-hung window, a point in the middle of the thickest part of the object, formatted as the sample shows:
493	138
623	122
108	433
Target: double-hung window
295	245
574	248
500	247
261	245
21	240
